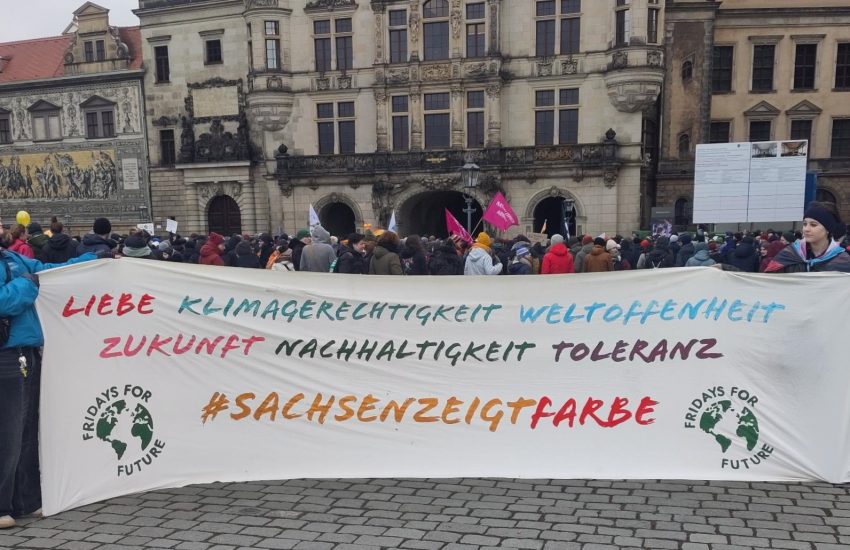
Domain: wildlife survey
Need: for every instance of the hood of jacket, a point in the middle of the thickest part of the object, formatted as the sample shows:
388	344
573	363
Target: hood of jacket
381	251
38	240
744	249
477	255
244	249
320	234
701	255
597	250
209	249
559	249
91	240
59	241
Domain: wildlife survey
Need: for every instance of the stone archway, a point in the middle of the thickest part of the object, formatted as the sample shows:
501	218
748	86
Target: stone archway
556	215
424	213
224	216
547	204
338	219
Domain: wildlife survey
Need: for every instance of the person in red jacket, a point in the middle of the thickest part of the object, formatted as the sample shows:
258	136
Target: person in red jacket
211	251
558	259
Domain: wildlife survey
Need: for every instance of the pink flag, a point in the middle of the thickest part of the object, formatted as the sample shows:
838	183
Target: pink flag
500	213
455	228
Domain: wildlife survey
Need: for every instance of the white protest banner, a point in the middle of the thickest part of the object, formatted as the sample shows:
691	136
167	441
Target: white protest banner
146	226
171	225
159	374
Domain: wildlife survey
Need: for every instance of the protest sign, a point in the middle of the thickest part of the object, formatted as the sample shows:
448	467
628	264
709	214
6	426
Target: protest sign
159	374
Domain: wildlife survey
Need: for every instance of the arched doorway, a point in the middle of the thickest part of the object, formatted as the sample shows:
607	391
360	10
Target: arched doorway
682	213
424	214
224	216
338	219
557	214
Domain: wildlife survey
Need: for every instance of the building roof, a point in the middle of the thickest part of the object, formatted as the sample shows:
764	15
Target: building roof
42	58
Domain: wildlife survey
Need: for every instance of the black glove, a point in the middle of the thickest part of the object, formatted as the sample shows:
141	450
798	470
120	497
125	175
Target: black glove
32	277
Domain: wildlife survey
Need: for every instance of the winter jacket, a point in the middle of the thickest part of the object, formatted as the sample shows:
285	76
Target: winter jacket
59	248
745	257
297	247
660	256
413	262
385	261
522	266
17	298
350	261
21	247
582	254
685	254
557	260
771	251
795	258
37	242
598	260
229	254
317	257
445	261
97	245
210	255
245	257
701	257
479	262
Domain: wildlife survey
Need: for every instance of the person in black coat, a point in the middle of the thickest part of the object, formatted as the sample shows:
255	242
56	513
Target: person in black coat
445	260
413	260
245	257
350	259
660	256
229	254
746	256
60	247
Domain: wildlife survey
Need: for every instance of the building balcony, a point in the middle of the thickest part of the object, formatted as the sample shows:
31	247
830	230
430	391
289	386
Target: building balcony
593	155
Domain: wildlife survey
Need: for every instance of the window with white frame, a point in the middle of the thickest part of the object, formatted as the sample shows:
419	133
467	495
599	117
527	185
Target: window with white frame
333	39
557	22
100	118
437	121
398	36
45	121
475	119
623	22
272	36
435	30
476	29
547	125
335	123
401	123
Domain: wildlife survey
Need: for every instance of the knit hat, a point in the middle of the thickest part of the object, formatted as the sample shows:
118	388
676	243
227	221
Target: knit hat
101	226
712	246
611	244
556	238
135	247
824	217
587	239
789	236
644	244
244	249
674	238
302	233
484	239
34	228
215	239
522	251
685	238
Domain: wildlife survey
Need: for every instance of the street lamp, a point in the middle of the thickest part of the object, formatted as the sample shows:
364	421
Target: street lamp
470	173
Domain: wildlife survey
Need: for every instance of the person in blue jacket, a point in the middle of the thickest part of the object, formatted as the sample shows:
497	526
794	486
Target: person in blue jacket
20	375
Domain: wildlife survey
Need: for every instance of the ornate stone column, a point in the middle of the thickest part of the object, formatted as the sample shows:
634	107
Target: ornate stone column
493	27
415	118
494	109
380	38
456	24
457	116
381	119
413	28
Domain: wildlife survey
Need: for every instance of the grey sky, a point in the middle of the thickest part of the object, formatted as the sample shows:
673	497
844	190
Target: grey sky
24	19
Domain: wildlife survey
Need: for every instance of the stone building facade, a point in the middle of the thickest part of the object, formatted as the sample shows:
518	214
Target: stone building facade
72	134
754	70
257	109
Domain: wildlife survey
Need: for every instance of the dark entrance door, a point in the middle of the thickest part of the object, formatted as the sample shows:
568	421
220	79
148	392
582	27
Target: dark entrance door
557	214
338	219
425	214
224	216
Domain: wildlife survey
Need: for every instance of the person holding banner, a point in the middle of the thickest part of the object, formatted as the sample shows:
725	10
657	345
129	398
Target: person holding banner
20	376
819	249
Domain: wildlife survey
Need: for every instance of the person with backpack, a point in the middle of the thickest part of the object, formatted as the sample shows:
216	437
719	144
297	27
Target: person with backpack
660	256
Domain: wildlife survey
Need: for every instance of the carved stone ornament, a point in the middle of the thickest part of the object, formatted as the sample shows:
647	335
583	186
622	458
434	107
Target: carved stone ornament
620	60
413	25
554	192
343	82
208	191
323	84
494	90
440	183
610	178
490	185
653	59
398	76
555	153
274	83
456	19
380	97
165	121
251	4
544	68
286	188
436	72
634	96
329	5
218	145
476	69
569	66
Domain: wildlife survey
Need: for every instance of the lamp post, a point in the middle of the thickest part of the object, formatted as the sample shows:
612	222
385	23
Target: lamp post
470	172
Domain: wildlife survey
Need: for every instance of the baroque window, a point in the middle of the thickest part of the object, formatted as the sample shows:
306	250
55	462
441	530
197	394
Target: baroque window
435	30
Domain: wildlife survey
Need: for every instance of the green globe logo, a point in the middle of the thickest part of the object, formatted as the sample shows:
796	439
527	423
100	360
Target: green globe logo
724	416
119	425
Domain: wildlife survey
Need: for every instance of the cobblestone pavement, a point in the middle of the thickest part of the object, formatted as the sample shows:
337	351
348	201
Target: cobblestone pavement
455	513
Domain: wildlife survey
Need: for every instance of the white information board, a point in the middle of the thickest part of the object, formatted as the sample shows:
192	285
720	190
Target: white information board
750	182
